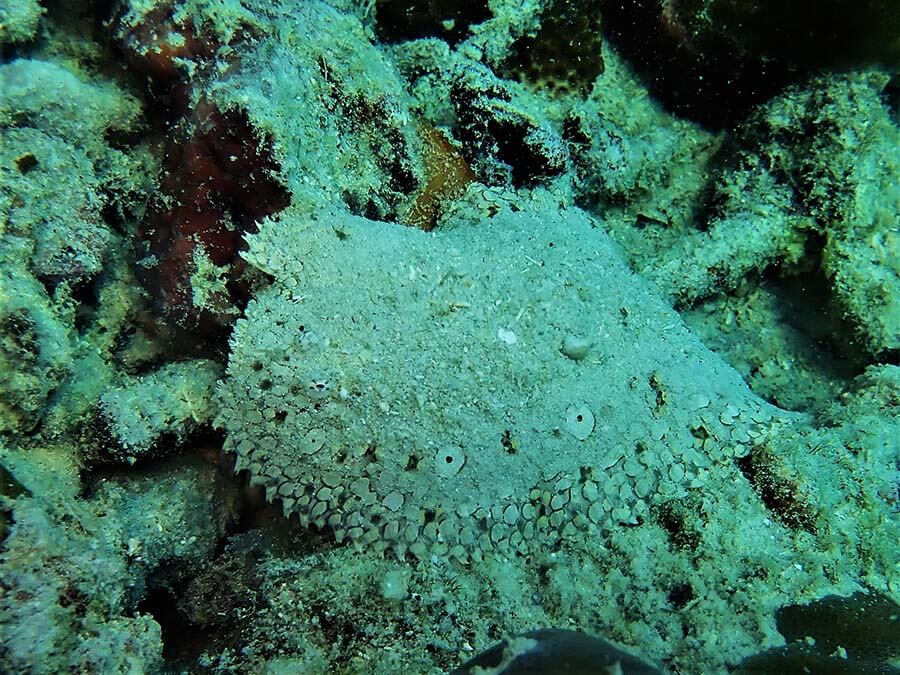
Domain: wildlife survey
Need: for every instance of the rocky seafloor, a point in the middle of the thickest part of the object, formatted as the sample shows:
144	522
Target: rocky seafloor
355	337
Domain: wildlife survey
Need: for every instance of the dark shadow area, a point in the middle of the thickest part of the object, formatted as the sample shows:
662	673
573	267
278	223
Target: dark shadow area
785	337
183	641
564	54
401	20
715	88
855	635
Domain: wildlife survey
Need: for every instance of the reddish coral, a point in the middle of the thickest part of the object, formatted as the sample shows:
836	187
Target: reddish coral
155	48
221	181
447	175
154	45
219	175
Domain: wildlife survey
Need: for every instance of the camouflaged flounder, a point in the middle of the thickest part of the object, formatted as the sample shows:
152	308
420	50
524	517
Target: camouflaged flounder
418	391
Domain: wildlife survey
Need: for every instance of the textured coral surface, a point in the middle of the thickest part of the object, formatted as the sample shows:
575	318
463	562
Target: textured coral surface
359	336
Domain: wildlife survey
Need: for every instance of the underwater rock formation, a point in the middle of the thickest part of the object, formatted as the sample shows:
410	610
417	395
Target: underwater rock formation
224	172
476	416
74	571
19	20
57	191
820	162
156	413
62	185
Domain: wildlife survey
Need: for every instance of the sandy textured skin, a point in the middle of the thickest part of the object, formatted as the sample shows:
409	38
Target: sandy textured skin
413	391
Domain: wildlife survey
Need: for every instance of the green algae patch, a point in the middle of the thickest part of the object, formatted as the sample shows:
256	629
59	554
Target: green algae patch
19	20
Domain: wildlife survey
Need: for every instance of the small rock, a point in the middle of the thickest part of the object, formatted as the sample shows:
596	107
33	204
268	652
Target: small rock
576	348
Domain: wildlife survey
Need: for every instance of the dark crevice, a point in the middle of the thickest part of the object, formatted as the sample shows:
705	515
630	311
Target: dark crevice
564	54
781	495
715	88
183	641
400	20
